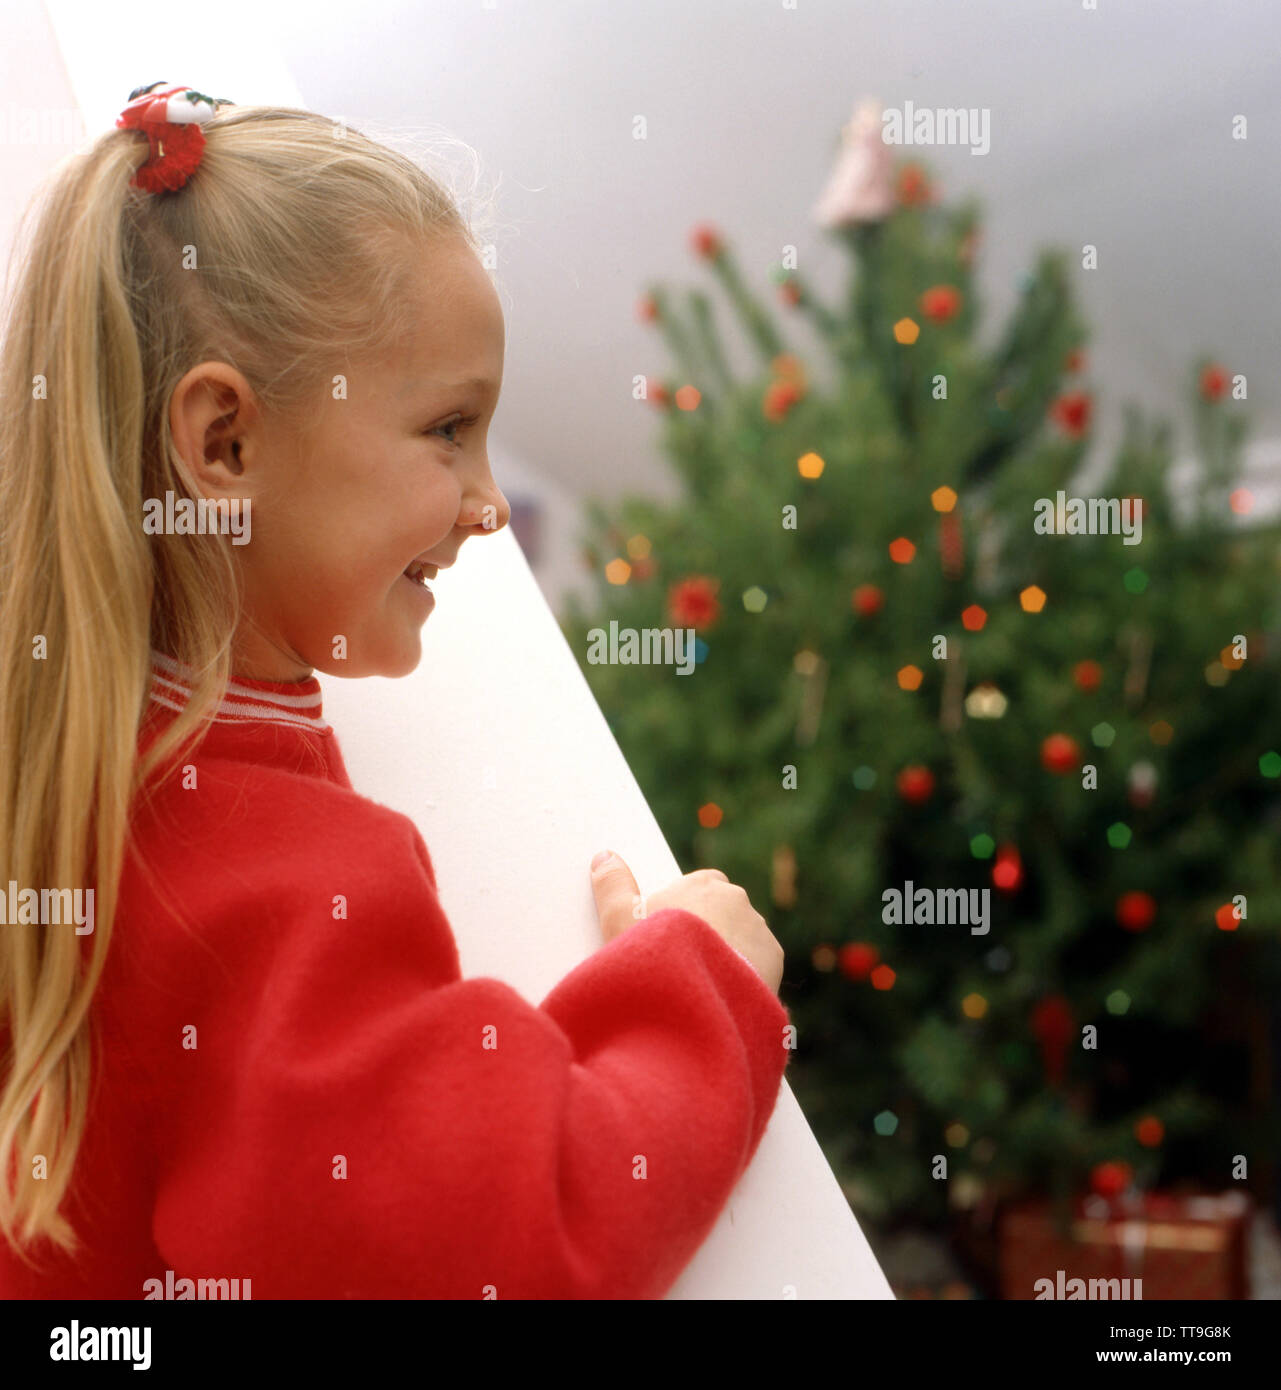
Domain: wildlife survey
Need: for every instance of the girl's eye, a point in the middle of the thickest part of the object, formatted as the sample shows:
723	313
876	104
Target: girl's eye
460	424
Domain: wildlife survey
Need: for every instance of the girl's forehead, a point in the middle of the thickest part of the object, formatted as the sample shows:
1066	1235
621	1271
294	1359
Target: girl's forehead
452	329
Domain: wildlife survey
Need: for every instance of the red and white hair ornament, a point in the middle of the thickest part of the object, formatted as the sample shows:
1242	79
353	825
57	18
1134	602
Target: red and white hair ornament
170	118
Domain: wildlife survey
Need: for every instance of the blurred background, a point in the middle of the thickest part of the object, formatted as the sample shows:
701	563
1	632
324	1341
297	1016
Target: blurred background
778	383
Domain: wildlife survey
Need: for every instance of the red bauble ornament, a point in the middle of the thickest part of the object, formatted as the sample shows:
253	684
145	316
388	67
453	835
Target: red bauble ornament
693	603
780	397
1072	413
858	960
1007	872
706	241
913	186
1088	676
642	569
951	545
1111	1179
1061	754
646	309
1136	911
867	600
1214	382
1053	1026
790	293
1149	1131
915	784
656	393
941	303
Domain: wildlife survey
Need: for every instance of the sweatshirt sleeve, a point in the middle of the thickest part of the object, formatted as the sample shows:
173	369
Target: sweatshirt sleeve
351	1127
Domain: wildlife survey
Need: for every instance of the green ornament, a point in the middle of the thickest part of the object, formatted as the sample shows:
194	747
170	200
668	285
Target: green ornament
1136	580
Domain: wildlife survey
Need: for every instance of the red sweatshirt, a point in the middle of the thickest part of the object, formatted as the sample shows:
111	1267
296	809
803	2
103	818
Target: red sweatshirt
294	1086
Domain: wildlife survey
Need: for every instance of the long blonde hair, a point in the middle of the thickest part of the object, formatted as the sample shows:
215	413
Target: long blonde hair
283	250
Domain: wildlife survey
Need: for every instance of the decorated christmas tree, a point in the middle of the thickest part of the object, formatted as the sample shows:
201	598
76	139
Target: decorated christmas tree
999	763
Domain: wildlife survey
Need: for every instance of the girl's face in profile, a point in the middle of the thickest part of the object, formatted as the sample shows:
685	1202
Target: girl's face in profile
394	474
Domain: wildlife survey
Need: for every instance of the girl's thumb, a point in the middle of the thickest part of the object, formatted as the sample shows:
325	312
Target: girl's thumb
615	892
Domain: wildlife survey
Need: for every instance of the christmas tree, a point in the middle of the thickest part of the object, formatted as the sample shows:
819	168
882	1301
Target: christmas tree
924	669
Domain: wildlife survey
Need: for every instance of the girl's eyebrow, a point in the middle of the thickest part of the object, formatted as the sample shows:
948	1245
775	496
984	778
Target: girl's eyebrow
425	391
481	383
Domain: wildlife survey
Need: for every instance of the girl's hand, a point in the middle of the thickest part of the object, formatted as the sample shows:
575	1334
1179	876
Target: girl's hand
708	894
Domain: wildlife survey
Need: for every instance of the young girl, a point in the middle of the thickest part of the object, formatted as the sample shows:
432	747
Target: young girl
255	1058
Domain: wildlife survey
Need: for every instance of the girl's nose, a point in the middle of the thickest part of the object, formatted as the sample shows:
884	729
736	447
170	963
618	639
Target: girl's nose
487	510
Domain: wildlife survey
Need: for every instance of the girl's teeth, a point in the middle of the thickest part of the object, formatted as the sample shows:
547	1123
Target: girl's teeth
418	573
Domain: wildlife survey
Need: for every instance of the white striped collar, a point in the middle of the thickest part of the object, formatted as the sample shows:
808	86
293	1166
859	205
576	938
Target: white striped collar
295	704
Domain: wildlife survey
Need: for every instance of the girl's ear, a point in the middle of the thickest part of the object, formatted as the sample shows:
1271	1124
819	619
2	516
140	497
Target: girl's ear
212	412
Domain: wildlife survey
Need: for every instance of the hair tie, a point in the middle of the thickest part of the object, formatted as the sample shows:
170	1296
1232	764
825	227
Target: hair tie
171	121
